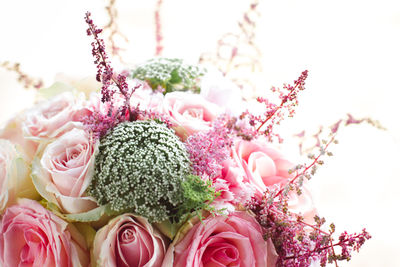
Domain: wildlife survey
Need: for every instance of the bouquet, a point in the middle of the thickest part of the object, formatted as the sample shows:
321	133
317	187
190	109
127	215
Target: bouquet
164	165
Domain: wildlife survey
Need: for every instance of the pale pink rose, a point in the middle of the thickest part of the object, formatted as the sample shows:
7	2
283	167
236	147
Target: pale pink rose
12	131
63	169
189	113
128	241
53	117
264	166
15	180
234	240
221	91
30	235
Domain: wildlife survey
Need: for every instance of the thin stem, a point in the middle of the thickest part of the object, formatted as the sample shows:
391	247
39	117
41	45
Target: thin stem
306	168
280	106
159	37
107	65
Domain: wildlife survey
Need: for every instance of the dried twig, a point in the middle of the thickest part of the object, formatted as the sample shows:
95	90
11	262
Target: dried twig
23	78
159	37
114	31
237	53
309	141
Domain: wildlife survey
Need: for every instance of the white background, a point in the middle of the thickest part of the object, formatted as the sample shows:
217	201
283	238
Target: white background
350	47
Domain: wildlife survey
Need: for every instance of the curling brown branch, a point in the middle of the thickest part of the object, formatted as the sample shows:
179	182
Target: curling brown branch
23	78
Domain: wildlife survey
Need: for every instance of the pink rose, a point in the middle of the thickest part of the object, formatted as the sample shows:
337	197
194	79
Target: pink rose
63	169
234	240
53	117
190	113
128	240
264	166
15	180
30	235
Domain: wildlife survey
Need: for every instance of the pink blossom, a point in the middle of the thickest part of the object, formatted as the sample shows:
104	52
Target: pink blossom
226	199
235	190
234	240
30	235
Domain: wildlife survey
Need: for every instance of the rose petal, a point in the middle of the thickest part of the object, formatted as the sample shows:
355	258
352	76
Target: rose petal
30	235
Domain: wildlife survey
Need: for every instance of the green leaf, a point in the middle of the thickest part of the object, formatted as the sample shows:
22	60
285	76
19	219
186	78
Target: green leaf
92	215
168	229
55	89
87	231
175	78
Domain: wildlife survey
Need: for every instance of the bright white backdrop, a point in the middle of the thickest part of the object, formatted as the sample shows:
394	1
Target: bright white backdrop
351	49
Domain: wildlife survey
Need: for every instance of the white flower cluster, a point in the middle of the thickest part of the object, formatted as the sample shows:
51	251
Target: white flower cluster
170	74
140	166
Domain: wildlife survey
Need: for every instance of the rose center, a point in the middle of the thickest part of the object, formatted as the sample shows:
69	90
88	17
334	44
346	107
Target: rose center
132	246
194	113
221	252
128	235
35	246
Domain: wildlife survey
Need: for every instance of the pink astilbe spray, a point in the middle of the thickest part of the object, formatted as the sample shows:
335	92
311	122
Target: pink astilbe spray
207	150
112	84
296	241
299	243
274	114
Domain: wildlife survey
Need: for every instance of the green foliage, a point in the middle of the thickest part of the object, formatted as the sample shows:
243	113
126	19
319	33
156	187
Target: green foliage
197	196
170	74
